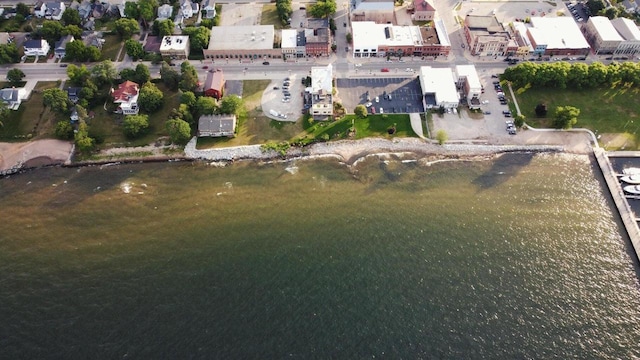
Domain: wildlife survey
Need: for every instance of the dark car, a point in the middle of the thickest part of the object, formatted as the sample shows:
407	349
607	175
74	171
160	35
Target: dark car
344	24
265	63
64	65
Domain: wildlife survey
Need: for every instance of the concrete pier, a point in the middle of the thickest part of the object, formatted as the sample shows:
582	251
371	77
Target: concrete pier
626	214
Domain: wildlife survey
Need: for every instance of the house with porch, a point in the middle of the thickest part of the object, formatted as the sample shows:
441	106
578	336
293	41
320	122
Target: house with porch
126	96
36	47
60	49
189	8
13	97
51	10
208	9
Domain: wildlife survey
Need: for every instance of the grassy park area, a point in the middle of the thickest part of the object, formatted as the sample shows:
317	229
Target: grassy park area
604	111
32	119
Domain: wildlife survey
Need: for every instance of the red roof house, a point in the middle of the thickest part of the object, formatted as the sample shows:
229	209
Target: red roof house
126	96
214	84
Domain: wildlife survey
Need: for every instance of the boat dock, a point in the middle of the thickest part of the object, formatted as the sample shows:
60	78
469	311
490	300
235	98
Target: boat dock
629	219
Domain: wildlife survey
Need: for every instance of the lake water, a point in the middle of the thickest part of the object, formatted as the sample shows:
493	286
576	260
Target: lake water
509	257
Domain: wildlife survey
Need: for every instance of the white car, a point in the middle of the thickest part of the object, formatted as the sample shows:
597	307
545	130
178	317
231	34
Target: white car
358	65
381	111
377	99
485	102
368	104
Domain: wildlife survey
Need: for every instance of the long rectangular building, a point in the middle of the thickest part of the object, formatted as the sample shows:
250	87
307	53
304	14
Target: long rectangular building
242	42
379	40
438	88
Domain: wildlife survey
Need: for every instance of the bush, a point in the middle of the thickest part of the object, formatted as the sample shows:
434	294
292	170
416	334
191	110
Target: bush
64	130
135	125
442	136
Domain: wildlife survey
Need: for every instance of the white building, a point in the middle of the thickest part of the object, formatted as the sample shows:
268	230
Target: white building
557	36
175	46
13	97
36	48
438	88
321	92
631	35
469	84
52	10
189	8
289	42
601	35
371	39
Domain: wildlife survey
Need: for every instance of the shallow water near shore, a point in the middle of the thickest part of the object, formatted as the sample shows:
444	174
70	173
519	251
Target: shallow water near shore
517	256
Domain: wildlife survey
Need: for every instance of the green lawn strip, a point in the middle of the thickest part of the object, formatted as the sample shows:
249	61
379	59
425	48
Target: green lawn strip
614	110
270	16
371	126
111	47
31	119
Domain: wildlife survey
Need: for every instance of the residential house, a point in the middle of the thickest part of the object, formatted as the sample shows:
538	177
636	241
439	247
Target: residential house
74	117
8	13
189	8
73	94
89	25
84	9
208	8
13	97
126	96
50	10
214	84
99	10
175	46
164	12
321	92
217	125
60	48
36	48
93	38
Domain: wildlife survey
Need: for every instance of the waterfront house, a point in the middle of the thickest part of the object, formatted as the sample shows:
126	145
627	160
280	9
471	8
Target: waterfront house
217	125
13	97
126	96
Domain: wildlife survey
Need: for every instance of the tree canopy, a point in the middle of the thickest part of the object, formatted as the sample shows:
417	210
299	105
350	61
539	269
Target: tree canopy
231	104
84	143
179	131
164	27
56	99
565	117
360	111
78	75
15	76
188	77
150	98
206	106
198	36
126	27
323	8
169	76
9	53
104	73
134	49
135	125
71	17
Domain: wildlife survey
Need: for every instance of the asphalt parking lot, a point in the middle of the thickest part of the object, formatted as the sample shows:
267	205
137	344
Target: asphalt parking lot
405	94
272	100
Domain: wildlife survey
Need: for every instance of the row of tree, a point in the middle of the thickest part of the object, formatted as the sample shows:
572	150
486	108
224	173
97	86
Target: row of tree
575	76
283	7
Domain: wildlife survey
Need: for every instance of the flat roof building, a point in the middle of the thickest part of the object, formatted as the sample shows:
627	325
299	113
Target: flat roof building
601	35
242	42
469	83
557	36
438	88
217	125
631	35
371	39
486	36
175	46
321	92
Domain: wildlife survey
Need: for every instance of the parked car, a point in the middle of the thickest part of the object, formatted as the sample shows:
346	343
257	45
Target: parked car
368	104
265	63
64	65
205	67
377	99
276	88
389	97
373	110
381	111
384	70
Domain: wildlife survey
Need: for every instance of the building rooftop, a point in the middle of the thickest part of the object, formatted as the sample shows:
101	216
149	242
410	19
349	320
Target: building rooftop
487	23
439	81
626	28
214	80
223	123
174	42
443	36
557	33
422	5
369	35
320	35
605	29
259	37
288	38
469	72
322	79
374	5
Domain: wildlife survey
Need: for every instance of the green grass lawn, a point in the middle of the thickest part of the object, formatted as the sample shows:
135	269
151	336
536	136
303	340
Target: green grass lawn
614	110
371	126
109	125
31	120
270	16
111	47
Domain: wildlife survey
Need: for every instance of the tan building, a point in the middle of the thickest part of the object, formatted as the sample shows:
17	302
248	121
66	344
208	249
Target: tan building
176	47
631	35
601	35
243	43
485	36
378	11
422	10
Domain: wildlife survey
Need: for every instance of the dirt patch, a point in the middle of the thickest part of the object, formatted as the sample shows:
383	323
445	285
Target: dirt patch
38	152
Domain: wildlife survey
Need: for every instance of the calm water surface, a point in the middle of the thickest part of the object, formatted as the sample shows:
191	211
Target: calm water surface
514	257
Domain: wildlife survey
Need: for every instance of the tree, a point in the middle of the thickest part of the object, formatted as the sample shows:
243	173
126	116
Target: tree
92	53
142	74
9	53
23	9
231	104
51	30
206	105
150	98
169	76
183	113
78	75
360	111
179	131
541	110
611	12
56	99
596	5
71	17
565	117
134	49
323	8
147	9
4	112
189	77
84	143
131	10
198	37
349	38
135	125
64	130
75	51
73	30
164	28
126	27
104	73
188	98
442	136
88	93
15	76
